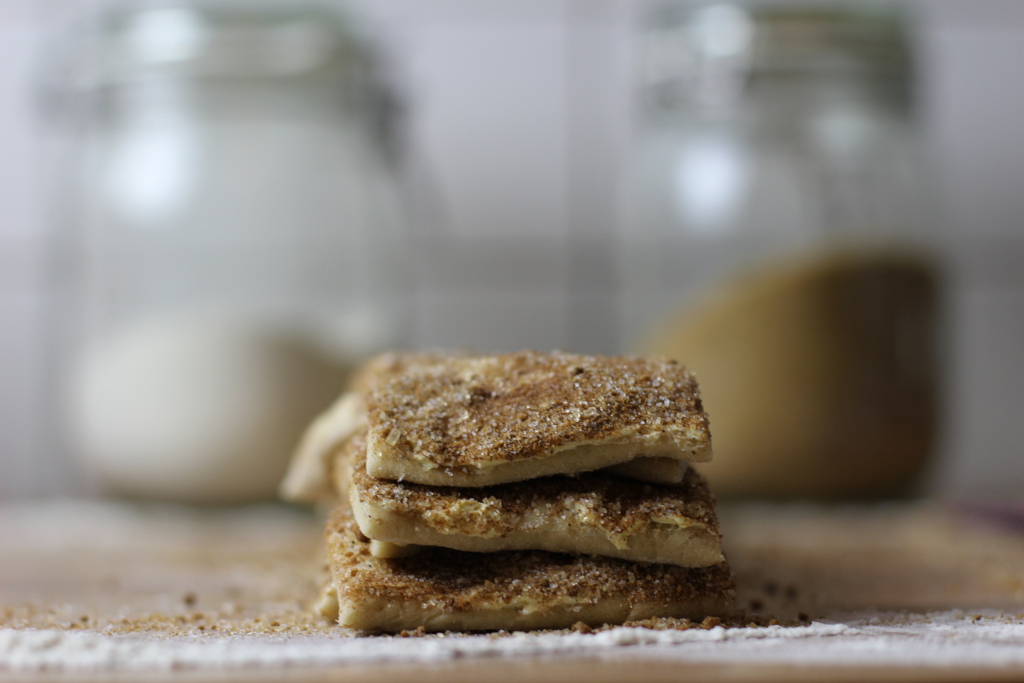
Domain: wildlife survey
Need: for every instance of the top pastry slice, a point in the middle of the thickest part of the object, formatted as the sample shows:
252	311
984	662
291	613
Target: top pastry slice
309	475
483	420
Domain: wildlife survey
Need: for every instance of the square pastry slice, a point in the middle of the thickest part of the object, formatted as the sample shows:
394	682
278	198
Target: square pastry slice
484	420
591	513
441	589
310	471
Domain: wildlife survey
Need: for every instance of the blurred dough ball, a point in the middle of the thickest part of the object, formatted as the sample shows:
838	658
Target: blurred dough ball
819	377
197	410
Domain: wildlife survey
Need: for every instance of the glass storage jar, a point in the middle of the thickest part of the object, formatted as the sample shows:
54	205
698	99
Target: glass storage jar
240	240
773	238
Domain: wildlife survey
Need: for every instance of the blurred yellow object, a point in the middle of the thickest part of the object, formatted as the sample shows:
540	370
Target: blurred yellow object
819	377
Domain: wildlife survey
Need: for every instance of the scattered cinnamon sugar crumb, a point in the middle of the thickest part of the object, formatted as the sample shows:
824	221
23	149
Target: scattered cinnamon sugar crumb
710	622
418	633
658	624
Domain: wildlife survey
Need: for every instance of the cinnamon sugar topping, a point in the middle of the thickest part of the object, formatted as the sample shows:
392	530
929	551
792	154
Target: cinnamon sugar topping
468	412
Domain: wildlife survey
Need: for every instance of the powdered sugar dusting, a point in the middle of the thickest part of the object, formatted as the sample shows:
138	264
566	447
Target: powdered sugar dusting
940	638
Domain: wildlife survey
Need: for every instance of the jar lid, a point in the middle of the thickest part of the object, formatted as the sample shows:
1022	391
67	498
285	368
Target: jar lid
709	53
206	40
830	40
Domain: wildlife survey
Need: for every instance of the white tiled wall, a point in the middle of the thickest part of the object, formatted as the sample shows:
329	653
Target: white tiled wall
520	115
22	240
974	116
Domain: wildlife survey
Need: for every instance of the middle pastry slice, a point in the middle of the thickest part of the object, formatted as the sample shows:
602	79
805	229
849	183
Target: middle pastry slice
594	513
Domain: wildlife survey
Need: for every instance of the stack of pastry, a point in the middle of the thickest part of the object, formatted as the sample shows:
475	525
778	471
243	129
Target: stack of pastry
518	491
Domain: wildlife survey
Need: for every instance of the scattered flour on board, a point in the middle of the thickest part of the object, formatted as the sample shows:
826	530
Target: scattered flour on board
938	638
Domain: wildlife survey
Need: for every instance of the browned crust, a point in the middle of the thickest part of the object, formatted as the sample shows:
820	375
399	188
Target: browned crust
616	505
467	411
458	582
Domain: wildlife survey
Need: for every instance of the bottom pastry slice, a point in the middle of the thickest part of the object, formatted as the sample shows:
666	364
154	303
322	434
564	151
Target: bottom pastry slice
450	590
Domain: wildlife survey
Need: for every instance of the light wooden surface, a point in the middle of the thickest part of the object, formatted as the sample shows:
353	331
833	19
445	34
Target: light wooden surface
563	671
171	575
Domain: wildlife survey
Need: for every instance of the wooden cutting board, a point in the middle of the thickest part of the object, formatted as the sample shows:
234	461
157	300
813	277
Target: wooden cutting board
108	591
